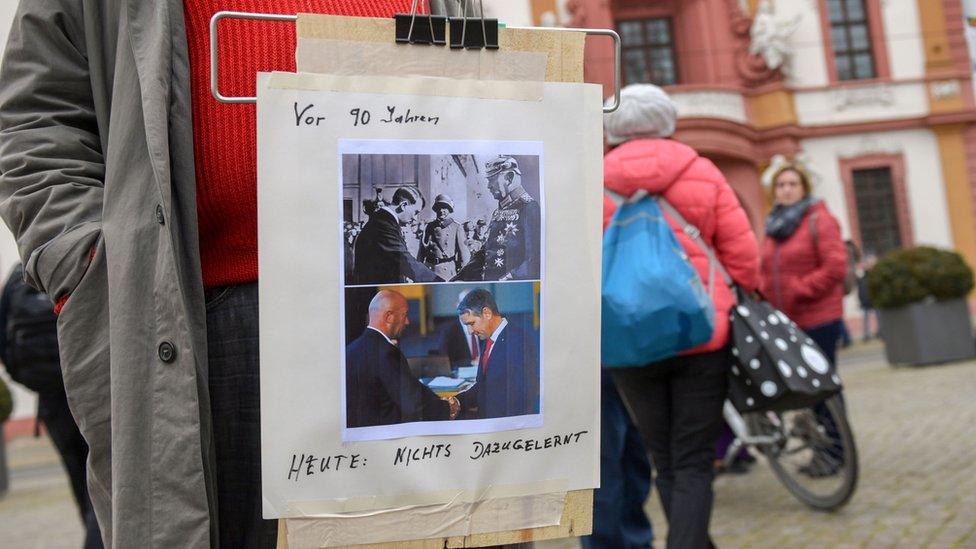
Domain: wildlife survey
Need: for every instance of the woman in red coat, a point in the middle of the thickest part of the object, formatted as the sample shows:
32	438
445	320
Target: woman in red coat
804	260
677	403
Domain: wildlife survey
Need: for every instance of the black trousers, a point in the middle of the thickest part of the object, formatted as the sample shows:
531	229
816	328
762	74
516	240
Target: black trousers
826	335
677	406
54	413
235	401
619	520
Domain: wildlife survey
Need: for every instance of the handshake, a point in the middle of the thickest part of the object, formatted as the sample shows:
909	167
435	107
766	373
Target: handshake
454	405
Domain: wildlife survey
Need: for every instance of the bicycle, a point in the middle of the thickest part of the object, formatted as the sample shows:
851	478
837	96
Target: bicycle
811	450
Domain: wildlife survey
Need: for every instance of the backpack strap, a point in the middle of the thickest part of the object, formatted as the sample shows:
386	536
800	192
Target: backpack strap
694	234
813	228
815	235
619	199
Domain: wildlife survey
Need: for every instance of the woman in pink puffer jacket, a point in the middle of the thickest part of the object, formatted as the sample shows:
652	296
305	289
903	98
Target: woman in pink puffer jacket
677	403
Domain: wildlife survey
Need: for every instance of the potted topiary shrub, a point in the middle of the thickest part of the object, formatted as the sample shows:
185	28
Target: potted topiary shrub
920	294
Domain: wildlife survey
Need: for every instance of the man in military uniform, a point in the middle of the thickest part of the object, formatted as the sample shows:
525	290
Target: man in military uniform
512	248
442	247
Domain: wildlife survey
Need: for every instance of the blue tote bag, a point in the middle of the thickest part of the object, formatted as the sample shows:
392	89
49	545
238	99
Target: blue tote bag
654	304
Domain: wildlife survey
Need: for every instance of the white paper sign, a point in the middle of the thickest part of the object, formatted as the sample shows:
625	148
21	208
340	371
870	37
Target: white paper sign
429	291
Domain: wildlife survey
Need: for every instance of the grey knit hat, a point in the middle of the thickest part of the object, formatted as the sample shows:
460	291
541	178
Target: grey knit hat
645	111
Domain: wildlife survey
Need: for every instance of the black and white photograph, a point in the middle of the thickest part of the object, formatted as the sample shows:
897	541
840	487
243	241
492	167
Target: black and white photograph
473	216
441	359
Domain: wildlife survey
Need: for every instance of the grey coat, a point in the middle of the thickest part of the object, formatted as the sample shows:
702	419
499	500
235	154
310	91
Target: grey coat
96	158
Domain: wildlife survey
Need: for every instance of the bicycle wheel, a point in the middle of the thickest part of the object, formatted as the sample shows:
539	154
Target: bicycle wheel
815	456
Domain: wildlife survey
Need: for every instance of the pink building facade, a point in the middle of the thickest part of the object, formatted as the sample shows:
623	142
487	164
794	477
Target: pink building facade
876	96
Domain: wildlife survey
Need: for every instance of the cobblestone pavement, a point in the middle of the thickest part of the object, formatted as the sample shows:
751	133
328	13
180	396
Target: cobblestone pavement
38	512
915	430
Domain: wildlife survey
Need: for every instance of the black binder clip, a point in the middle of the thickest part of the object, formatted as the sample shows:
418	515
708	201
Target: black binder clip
420	29
474	34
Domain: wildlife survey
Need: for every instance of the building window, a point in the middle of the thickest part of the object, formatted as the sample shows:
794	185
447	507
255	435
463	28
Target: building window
368	177
384	170
877	210
648	51
850	35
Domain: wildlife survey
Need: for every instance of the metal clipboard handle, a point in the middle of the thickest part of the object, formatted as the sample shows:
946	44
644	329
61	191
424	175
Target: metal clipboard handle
214	49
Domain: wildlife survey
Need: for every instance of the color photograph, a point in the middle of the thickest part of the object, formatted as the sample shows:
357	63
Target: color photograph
441	359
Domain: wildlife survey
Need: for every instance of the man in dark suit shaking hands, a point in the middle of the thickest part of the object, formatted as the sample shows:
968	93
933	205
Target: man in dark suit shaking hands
380	390
381	253
508	370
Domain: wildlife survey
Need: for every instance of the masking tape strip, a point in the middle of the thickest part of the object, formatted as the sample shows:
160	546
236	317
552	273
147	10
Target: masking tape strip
427	522
427	86
563	50
380	505
385	58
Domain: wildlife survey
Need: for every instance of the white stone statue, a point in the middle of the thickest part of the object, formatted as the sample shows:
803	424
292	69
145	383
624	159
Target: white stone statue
549	19
770	36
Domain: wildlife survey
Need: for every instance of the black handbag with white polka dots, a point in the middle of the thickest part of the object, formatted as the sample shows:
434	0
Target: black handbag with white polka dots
776	365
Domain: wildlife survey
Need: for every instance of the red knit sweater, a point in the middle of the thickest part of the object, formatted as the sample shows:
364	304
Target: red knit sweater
224	140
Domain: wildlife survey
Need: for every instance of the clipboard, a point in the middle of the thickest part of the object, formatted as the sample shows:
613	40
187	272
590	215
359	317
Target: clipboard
417	29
